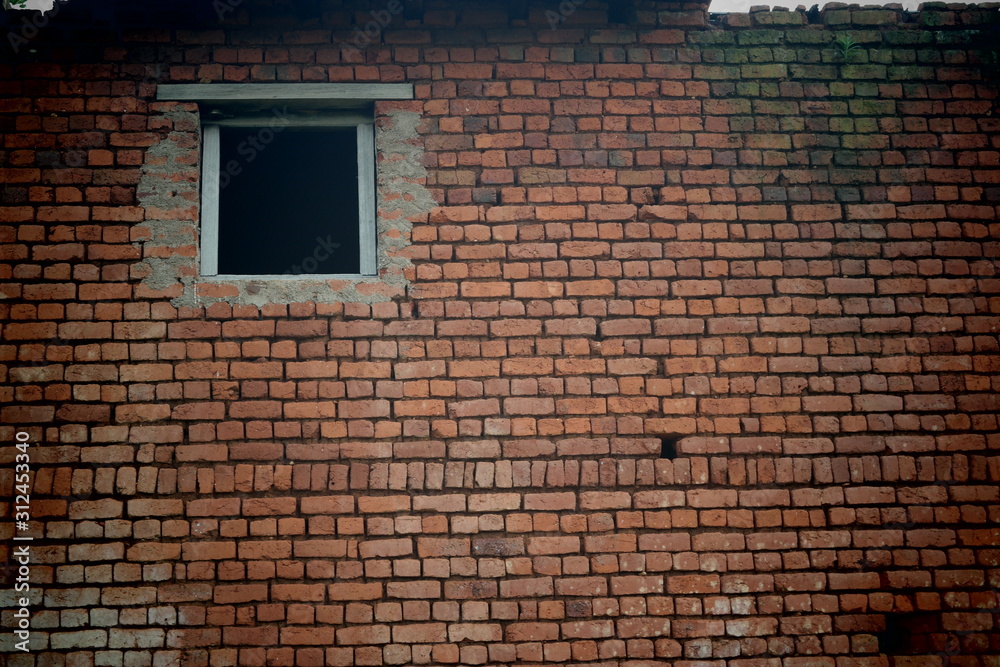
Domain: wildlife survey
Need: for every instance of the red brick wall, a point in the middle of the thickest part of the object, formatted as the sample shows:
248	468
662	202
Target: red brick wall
721	232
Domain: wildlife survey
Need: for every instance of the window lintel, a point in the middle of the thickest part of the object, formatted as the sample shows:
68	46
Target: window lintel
250	96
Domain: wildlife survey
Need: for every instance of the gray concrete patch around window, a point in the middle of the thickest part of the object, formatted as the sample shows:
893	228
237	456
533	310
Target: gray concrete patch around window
168	191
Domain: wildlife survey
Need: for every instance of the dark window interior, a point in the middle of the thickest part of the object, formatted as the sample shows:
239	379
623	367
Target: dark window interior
288	201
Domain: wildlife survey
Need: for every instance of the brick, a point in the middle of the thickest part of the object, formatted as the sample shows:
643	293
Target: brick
386	548
665	542
629	628
209	550
636	585
413	589
353	592
496	546
475	632
232	594
582	586
610	544
596	500
531	632
364	635
418	633
516	588
553	545
690	584
327	505
470	590
298	592
550	501
235	636
431	547
494	502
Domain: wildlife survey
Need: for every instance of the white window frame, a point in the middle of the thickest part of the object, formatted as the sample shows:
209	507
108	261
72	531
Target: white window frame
307	105
210	199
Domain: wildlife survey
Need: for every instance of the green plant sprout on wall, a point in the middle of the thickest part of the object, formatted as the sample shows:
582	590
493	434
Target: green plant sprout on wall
846	46
15	4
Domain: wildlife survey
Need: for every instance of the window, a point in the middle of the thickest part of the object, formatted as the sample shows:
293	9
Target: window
288	178
284	197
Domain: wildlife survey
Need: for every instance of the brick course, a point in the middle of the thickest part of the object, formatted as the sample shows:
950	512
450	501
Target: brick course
713	230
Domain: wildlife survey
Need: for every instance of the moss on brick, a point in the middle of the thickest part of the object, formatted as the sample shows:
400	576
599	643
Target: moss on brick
836	16
751	37
933	19
712	37
879	17
736	56
909	37
872	107
782	18
863	71
716	72
760	54
822	72
771	71
809	36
